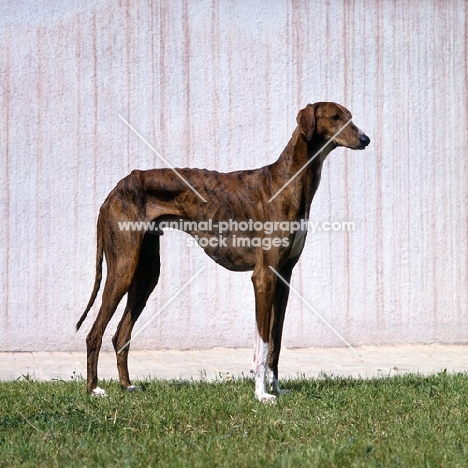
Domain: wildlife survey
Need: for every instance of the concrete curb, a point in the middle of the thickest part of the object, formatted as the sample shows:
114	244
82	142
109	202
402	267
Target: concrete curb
370	361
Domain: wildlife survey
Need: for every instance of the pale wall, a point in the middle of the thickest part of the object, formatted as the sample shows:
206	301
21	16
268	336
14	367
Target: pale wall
218	85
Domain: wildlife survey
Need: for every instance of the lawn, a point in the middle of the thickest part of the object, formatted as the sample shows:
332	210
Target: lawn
398	421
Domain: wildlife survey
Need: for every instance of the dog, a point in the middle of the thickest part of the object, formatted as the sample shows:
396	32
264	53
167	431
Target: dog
281	191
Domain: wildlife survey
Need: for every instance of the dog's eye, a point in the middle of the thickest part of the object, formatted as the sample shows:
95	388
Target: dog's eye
336	117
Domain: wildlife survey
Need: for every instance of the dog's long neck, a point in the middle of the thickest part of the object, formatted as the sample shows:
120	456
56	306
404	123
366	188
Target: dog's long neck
302	182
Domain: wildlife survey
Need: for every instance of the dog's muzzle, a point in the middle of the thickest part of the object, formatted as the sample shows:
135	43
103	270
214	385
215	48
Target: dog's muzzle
364	140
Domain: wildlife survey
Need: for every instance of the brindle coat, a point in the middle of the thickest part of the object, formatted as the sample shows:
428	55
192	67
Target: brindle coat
132	257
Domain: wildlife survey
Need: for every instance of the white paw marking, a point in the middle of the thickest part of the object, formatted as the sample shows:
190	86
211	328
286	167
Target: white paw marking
274	384
133	388
98	392
267	398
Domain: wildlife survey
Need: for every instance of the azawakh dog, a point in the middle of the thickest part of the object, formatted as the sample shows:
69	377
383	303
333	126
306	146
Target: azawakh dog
282	191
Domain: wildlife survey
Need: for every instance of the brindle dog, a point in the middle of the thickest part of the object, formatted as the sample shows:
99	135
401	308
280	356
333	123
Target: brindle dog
132	257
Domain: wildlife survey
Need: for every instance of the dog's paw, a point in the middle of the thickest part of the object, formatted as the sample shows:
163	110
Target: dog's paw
133	388
98	392
275	387
266	398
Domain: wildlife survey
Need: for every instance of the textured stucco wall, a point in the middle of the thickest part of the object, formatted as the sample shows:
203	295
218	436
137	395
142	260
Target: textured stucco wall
218	84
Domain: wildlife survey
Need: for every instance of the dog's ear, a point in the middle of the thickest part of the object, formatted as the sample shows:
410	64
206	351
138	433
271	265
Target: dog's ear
306	121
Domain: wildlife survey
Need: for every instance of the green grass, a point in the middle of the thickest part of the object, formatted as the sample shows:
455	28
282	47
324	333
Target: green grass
400	421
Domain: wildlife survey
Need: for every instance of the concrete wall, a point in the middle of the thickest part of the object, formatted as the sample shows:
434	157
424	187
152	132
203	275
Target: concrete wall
218	84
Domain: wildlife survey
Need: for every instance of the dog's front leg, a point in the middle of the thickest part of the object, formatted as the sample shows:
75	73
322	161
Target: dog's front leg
260	370
280	303
264	282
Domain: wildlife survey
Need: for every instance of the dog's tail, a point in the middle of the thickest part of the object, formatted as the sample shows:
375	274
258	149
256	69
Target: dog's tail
97	280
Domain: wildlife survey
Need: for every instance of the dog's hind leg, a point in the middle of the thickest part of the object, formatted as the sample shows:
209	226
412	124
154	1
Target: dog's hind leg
120	270
144	281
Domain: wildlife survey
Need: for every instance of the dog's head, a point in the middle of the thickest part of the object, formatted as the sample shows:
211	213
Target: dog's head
330	121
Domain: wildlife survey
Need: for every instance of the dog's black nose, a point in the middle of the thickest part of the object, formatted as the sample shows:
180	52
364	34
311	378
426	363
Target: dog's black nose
364	140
